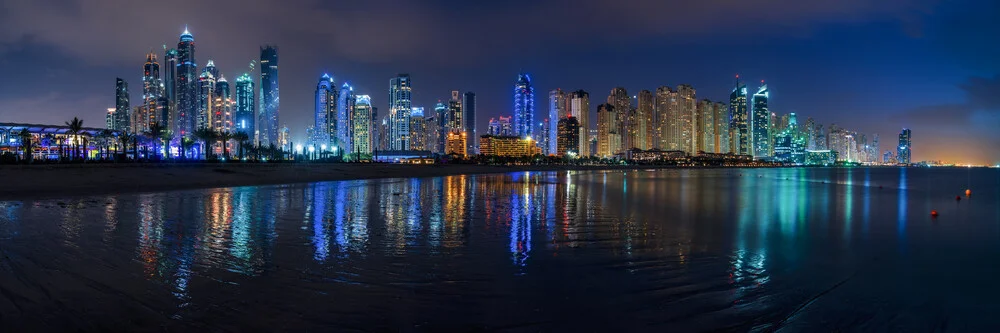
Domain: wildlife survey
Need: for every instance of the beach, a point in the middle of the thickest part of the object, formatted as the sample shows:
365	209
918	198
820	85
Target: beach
33	181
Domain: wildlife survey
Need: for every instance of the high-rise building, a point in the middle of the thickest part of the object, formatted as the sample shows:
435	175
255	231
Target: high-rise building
152	91
110	119
455	143
206	90
122	109
341	128
469	107
722	131
325	106
454	121
441	131
568	141
579	107
705	127
169	109
557	111
246	106
508	146
608	139
905	147
687	103
667	113
186	86
433	132
501	127
544	131
418	129
400	106
761	124
622	105
645	121
740	125
222	105
267	123
524	106
810	133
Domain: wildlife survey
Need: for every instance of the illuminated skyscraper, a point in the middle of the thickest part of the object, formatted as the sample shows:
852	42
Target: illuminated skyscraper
186	86
453	122
340	130
557	111
668	118
688	111
705	127
441	118
325	106
568	141
646	136
222	106
722	131
169	107
120	119
740	125
267	119
206	90
469	108
400	106
246	106
152	91
761	124
579	107
608	139
500	127
418	130
524	106
433	132
361	126
622	105
905	148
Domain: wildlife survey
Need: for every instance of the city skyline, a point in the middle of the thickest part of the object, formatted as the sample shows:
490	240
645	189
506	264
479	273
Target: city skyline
947	105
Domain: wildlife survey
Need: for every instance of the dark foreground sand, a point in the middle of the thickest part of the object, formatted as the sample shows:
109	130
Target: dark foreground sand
34	181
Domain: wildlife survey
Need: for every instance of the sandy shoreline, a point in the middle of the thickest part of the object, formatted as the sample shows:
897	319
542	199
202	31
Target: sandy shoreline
34	181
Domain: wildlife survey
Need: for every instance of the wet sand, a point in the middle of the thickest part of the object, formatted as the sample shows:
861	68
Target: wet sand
34	181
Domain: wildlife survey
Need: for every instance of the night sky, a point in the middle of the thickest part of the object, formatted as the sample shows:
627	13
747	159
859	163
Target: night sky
870	66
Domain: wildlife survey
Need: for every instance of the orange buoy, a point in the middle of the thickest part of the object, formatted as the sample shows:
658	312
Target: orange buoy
934	213
968	192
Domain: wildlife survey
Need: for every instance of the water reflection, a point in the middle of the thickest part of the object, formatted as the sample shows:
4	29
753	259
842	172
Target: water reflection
735	241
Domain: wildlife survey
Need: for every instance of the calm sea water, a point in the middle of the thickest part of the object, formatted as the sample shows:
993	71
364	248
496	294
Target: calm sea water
669	250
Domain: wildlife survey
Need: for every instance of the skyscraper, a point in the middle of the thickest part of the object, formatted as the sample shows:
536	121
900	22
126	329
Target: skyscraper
418	129
123	111
761	124
400	106
222	105
722	130
668	118
168	108
342	133
206	90
186	86
905	148
579	107
267	123
688	109
706	126
557	111
524	106
645	121
469	107
152	91
362	123
325	106
622	105
608	139
453	122
568	140
740	119
246	106
432	132
441	118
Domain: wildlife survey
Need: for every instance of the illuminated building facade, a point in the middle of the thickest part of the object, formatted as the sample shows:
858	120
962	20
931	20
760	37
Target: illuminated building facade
621	104
400	106
740	125
362	123
687	105
186	86
456	143
609	141
500	127
244	116
325	106
646	134
568	140
722	130
469	118
905	147
340	127
122	114
524	106
761	124
508	146
705	126
152	91
557	111
206	91
668	114
222	106
579	107
267	119
418	129
454	122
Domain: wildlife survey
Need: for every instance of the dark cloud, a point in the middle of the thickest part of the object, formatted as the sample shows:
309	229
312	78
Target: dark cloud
983	92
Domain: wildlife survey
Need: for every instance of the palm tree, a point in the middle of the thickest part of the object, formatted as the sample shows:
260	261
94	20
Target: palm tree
186	144
241	138
75	126
206	136
106	136
125	139
155	133
225	137
25	137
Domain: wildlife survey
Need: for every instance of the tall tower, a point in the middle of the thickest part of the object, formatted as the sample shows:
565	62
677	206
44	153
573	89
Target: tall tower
267	119
608	139
345	103
186	86
469	108
120	120
400	106
246	106
761	124
325	102
557	110
568	142
152	91
524	105
222	105
622	105
578	106
362	125
722	131
688	109
670	115
706	126
905	148
454	122
441	118
740	119
645	125
206	92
